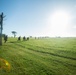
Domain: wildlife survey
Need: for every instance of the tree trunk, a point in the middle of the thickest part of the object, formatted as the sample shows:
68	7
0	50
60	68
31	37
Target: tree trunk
1	23
0	39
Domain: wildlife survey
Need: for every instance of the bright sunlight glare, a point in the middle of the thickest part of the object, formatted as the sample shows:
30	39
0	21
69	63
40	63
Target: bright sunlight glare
59	23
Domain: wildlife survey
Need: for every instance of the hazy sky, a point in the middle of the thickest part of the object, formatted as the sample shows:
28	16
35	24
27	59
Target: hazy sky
39	17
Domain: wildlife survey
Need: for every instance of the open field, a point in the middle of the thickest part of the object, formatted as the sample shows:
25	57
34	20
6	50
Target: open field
50	56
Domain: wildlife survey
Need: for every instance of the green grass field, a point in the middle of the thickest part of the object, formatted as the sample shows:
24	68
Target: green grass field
50	56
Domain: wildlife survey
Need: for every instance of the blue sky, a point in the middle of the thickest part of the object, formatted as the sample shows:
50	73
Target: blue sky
39	17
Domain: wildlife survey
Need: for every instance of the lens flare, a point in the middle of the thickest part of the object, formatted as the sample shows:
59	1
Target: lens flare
4	65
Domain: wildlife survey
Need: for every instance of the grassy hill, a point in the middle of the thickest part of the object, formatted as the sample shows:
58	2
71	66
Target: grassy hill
50	56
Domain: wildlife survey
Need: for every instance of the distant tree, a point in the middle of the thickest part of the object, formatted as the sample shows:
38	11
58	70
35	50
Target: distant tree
19	38
14	33
5	38
27	38
24	38
30	36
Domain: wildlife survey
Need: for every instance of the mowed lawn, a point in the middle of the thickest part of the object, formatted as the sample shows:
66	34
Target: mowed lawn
47	56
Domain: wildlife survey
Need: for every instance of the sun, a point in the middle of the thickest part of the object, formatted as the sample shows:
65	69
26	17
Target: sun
58	23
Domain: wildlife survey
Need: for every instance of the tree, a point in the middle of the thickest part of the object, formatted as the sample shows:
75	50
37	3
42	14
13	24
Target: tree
1	24
14	33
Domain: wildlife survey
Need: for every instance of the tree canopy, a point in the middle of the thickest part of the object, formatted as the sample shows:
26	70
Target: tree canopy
14	33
